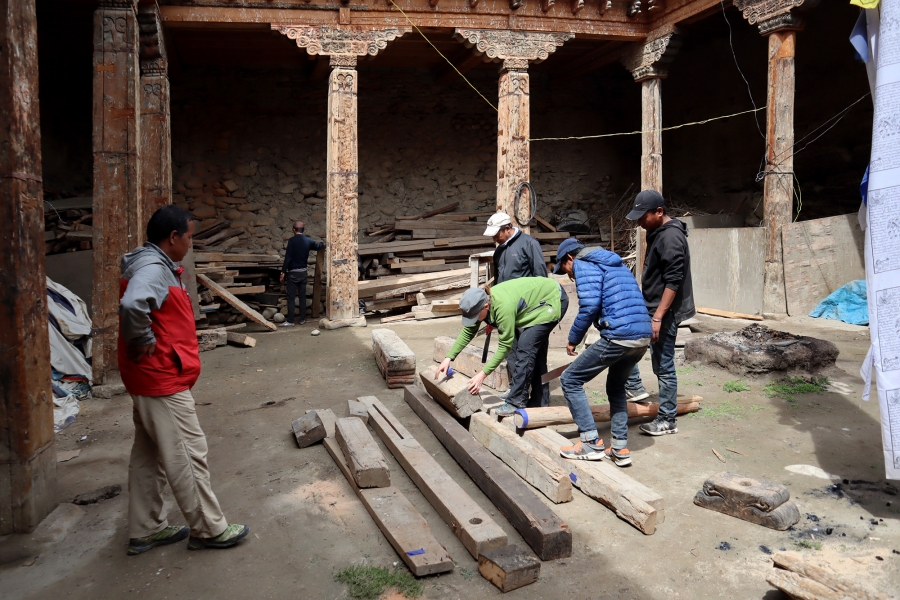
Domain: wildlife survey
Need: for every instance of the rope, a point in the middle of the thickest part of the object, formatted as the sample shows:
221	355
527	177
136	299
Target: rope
532	197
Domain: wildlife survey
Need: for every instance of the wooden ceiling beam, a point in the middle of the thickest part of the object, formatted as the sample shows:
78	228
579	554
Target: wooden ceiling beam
684	12
464	62
598	58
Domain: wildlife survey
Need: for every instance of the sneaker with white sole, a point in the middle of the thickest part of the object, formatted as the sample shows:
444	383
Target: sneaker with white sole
584	451
635	396
286	324
620	456
659	426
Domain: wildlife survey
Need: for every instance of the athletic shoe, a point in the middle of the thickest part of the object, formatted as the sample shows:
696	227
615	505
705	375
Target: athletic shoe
632	396
286	324
659	426
506	410
169	535
584	451
621	457
504	395
303	322
228	538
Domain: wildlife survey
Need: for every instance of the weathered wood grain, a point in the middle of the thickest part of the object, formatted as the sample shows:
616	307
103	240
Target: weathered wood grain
509	568
817	578
367	463
478	532
468	362
761	502
532	466
533	418
394	358
541	528
451	393
513	133
228	297
358	410
155	127
308	429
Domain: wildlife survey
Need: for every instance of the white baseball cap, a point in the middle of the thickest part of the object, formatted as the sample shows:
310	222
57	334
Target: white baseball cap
496	222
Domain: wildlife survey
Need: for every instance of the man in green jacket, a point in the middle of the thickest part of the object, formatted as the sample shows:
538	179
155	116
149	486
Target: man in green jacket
524	312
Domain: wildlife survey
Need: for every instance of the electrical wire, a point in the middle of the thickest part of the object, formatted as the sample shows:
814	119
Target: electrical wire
532	197
737	64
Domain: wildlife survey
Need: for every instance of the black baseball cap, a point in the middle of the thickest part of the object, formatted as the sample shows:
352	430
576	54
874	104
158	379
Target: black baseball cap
645	201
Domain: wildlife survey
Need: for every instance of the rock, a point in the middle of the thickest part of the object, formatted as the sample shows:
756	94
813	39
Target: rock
320	194
273	211
104	493
208	201
194	184
219	192
317	217
387	209
240	194
232	214
204	211
278	317
233	201
308	191
243	170
249	207
314	332
230	185
288	189
269	312
264	221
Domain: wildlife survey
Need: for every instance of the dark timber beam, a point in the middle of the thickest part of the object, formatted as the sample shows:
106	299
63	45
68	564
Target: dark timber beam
27	448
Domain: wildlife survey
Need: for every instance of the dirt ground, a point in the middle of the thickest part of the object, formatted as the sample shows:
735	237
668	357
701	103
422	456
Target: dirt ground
306	523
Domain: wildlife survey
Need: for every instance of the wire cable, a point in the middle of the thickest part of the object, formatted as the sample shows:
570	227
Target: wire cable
532	196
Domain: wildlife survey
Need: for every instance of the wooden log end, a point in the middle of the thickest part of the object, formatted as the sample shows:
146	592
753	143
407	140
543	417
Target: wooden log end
509	568
308	429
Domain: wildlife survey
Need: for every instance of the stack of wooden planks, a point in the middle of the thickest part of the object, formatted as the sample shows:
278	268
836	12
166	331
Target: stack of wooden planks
67	225
395	360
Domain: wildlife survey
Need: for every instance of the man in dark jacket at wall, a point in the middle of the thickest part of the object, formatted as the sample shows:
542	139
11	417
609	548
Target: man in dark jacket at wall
666	284
295	271
608	299
517	254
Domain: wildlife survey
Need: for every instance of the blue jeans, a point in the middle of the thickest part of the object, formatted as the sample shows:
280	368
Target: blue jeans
662	356
593	360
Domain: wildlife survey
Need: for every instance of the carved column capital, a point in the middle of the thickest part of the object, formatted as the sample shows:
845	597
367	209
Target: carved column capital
636	7
774	15
507	45
343	61
152	46
651	59
345	40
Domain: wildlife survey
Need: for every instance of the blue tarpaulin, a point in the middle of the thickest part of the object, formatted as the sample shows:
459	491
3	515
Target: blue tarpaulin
847	304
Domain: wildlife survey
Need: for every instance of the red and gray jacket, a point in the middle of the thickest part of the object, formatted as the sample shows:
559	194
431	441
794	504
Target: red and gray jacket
155	308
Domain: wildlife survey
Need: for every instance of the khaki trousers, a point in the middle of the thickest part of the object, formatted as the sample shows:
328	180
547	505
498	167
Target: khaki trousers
169	445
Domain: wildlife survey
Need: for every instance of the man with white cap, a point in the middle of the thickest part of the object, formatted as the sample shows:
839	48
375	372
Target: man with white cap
517	254
524	311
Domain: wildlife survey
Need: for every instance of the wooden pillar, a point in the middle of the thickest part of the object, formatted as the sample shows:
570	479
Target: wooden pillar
513	132
343	187
118	219
27	448
155	125
651	138
778	190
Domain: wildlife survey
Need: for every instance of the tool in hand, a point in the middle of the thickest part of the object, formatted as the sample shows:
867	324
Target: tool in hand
551	375
487	343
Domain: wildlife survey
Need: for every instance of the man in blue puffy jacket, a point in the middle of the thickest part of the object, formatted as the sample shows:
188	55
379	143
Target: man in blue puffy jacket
608	298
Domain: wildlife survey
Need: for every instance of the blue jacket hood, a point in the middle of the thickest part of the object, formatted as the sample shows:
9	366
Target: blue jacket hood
602	257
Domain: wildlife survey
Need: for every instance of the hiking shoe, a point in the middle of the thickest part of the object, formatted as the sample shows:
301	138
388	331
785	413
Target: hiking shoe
286	324
228	538
636	396
621	457
506	410
303	322
659	426
504	395
169	535
584	451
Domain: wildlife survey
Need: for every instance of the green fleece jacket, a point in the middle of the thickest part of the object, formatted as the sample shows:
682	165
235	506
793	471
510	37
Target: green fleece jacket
515	304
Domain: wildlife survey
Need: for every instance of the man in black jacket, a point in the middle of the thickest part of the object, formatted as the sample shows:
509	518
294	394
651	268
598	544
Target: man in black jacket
294	269
517	254
666	284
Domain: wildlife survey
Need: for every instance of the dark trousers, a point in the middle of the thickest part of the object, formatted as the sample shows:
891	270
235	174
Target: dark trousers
527	362
296	281
662	356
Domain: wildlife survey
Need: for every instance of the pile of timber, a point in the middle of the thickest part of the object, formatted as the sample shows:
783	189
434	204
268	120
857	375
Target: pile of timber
67	225
815	578
395	360
210	339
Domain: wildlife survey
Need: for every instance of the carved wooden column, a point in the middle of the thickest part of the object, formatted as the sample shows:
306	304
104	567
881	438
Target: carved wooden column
27	449
343	45
775	20
118	215
155	128
648	63
515	49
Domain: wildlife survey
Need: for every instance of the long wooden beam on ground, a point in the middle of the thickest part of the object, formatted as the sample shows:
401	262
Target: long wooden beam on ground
532	418
631	500
532	466
468	362
228	297
399	521
541	528
477	531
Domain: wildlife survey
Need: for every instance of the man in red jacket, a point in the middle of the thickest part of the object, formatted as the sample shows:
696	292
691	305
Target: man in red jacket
160	362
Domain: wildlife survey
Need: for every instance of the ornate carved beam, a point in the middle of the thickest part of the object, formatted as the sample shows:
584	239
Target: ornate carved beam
156	142
343	45
515	49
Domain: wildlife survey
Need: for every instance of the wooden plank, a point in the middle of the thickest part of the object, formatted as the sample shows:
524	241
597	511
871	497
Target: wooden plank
28	472
418	263
435	269
532	466
468	362
451	393
728	314
230	299
317	284
253	289
308	429
446	306
541	528
545	224
632	501
241	339
404	317
399	521
392	355
835	581
202	257
509	568
478	532
366	461
532	418
357	410
367	289
557	236
249	258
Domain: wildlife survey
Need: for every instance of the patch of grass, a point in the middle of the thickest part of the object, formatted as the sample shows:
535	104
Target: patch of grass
467	574
368	583
809	545
598	398
735	385
789	387
685	370
724	410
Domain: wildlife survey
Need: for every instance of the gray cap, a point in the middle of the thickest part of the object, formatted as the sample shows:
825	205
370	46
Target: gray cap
471	303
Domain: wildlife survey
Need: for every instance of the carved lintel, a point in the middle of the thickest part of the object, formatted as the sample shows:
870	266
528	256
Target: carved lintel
546	5
433	3
651	58
780	23
503	44
514	65
577	5
124	4
152	47
757	11
636	7
348	39
343	61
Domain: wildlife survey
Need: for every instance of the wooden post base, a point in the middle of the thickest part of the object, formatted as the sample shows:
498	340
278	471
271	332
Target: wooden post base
338	323
509	568
308	429
759	502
